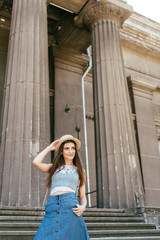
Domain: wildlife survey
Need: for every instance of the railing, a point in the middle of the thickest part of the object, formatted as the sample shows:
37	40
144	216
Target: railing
89	193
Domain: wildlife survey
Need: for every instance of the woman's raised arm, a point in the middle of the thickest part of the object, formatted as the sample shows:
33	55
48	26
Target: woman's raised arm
38	161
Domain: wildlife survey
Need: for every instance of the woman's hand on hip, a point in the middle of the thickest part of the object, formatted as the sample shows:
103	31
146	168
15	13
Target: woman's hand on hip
79	210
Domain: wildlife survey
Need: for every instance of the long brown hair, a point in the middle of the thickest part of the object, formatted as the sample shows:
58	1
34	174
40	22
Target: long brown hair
60	162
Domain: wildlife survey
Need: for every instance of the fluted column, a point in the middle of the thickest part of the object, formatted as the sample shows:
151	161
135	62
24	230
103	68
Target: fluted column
118	176
25	120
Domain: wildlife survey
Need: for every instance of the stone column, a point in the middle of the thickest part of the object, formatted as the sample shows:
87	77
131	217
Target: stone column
118	175
25	122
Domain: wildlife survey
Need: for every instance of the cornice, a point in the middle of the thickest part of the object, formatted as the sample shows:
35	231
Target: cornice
144	24
141	34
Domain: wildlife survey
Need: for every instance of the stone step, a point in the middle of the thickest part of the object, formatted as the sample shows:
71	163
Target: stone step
21	223
21	219
87	219
119	226
29	237
107	214
17	235
119	235
39	209
127	238
114	219
25	226
10	208
109	210
7	226
21	213
124	233
85	214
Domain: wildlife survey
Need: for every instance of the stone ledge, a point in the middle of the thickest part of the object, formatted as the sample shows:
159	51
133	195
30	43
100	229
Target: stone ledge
150	214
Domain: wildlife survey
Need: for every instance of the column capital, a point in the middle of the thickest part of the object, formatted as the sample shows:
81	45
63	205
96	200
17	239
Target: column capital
115	10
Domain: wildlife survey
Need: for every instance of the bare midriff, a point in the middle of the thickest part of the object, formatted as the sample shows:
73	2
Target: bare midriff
60	192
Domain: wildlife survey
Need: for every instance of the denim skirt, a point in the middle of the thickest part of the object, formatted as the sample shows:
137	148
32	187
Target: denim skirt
59	222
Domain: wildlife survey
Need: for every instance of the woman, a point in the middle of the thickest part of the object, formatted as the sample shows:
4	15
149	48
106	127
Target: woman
63	215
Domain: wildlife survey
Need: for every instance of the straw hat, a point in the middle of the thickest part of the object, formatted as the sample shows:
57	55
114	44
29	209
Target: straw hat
66	138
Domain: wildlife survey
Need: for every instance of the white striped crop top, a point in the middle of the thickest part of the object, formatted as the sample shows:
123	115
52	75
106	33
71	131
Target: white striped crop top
65	179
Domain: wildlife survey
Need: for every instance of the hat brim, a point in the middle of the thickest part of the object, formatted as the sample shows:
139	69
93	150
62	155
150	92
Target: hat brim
78	143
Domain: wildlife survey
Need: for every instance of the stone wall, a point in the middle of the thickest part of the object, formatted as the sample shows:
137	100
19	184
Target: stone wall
69	68
144	70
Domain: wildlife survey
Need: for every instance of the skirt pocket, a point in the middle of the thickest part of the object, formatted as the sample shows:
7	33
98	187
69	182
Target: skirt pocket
50	210
68	204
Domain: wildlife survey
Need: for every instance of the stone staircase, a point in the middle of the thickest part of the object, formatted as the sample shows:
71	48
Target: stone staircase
21	223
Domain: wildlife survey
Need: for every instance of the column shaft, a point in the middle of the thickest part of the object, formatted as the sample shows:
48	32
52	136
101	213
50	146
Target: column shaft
25	123
118	176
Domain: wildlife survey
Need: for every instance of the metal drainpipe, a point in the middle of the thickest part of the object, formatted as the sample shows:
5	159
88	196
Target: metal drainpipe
85	126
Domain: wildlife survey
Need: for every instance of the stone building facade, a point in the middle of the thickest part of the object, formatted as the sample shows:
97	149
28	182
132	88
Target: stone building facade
42	60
